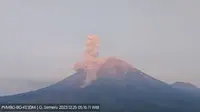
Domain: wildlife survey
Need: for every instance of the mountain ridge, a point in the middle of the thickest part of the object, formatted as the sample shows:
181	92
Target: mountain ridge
116	84
188	85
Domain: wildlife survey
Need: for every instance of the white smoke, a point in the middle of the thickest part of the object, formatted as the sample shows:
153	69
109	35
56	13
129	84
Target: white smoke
91	62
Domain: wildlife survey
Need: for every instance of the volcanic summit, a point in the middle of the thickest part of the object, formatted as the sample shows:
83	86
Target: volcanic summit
92	63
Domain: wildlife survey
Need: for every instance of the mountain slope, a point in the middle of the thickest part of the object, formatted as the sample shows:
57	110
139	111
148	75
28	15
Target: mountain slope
187	87
118	87
184	86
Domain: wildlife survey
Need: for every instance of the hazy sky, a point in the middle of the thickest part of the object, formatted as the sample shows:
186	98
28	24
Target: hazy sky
40	40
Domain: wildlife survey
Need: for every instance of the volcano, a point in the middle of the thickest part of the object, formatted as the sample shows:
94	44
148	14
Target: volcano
119	87
114	84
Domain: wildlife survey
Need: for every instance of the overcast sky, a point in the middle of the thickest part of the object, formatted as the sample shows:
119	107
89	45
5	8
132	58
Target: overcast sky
40	40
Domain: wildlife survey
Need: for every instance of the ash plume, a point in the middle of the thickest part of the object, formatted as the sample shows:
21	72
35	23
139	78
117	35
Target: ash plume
90	62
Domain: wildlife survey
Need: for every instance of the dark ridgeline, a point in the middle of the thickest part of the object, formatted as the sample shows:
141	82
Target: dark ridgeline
185	86
115	90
